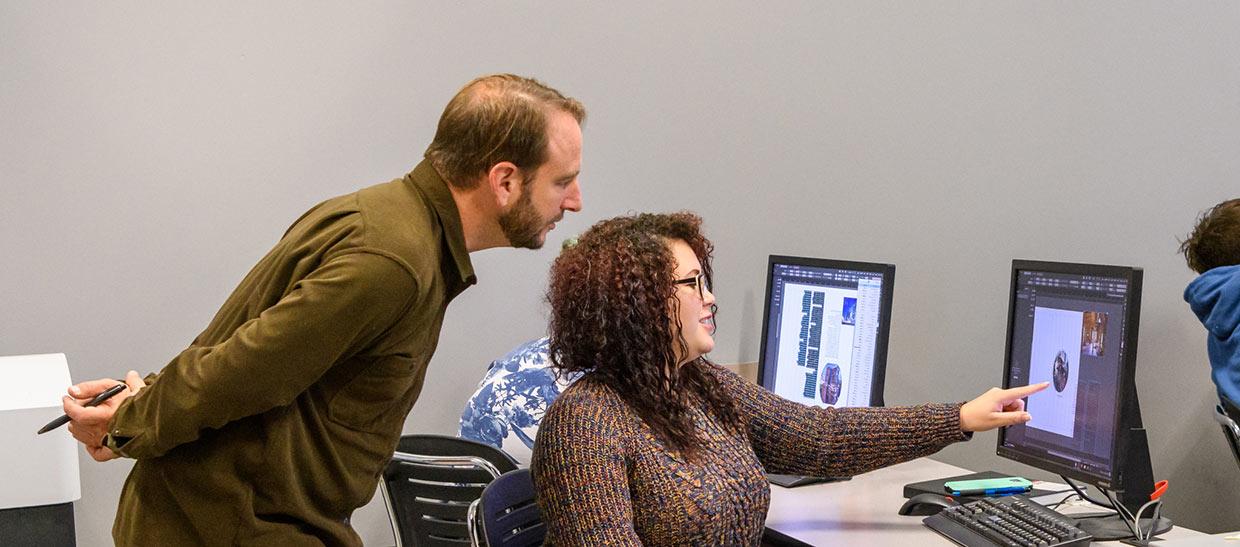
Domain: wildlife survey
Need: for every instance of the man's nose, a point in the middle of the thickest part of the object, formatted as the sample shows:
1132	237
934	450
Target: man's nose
572	200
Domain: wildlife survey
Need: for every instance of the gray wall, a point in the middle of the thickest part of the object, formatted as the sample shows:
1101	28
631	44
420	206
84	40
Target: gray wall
152	153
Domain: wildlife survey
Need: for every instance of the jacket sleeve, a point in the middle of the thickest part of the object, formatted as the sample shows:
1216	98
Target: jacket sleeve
581	476
838	442
268	361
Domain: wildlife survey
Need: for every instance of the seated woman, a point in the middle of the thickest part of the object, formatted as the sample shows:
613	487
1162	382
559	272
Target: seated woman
656	445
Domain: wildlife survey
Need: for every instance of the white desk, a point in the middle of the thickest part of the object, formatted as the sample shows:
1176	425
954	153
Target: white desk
862	511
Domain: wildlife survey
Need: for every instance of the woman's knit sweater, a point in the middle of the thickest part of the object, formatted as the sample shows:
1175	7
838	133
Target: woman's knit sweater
603	478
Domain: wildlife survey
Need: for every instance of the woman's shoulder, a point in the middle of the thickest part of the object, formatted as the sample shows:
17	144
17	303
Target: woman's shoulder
588	412
589	404
587	392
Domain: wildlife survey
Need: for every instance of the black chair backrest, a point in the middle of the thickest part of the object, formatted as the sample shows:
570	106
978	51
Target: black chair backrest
510	517
429	502
1228	415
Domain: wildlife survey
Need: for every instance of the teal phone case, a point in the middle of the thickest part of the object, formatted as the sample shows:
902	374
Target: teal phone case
985	486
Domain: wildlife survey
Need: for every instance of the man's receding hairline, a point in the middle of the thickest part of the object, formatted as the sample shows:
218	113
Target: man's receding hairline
478	92
483	89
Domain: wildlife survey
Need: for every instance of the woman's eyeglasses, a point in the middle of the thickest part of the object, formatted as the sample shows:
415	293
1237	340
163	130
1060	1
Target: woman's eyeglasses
698	282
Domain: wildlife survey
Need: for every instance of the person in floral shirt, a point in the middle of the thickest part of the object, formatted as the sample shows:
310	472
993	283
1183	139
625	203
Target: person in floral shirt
505	410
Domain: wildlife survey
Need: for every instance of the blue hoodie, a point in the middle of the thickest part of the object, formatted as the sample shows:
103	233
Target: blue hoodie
1215	298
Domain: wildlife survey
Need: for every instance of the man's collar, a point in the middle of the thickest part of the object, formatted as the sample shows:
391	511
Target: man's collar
426	180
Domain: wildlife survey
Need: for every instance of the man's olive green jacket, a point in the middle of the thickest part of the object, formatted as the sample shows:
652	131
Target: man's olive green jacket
275	424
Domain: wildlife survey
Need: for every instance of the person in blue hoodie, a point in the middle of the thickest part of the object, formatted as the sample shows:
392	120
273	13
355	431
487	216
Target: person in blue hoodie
1213	250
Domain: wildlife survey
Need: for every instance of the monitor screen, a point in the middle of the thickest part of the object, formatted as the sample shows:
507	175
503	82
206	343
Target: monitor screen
824	333
1074	326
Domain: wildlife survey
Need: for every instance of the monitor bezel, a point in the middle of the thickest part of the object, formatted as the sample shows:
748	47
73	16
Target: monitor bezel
888	273
1125	415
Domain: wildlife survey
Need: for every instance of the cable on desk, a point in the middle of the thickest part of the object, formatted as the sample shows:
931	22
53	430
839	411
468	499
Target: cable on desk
1133	522
1153	519
1085	496
1063	501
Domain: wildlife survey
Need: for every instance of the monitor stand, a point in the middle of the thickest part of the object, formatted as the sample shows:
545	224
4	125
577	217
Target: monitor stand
1139	483
792	481
1109	527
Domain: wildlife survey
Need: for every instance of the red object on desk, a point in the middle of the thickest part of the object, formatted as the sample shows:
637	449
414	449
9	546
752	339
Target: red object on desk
1159	488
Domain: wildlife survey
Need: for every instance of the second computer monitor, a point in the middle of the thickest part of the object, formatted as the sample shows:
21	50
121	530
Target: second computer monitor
824	330
1074	326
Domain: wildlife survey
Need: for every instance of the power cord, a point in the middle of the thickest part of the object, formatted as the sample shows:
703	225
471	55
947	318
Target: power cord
1085	496
1056	505
1132	522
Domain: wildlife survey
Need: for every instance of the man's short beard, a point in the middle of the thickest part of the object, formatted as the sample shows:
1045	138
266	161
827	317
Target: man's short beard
522	224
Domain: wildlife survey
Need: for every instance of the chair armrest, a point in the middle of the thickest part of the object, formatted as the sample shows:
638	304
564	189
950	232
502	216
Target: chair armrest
462	461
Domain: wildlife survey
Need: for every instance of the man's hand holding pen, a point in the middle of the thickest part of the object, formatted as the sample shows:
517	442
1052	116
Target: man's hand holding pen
89	425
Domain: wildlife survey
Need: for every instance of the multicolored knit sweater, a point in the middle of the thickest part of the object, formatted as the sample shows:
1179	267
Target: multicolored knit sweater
603	478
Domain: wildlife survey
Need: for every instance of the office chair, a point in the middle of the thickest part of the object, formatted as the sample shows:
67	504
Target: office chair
506	514
1226	413
429	485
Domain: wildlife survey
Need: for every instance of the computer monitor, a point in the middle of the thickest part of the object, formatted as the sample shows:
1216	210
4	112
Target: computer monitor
1075	326
824	330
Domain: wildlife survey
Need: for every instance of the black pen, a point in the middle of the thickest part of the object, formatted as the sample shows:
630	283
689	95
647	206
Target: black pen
64	419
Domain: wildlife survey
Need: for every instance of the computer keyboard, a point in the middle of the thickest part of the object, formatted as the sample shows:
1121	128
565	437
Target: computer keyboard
1013	521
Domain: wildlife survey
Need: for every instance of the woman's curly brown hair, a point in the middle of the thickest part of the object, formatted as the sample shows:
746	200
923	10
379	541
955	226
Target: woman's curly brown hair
614	317
1215	241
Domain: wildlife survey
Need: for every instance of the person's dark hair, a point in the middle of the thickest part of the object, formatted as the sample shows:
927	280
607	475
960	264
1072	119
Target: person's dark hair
613	306
1215	241
495	118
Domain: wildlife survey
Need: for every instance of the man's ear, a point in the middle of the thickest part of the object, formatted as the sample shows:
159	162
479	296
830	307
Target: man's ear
504	180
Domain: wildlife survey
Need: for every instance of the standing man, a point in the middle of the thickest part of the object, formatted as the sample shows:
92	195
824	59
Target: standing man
276	423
